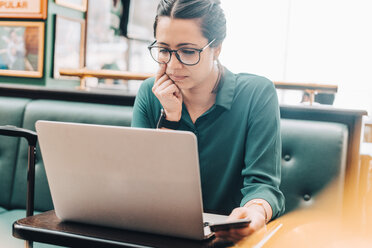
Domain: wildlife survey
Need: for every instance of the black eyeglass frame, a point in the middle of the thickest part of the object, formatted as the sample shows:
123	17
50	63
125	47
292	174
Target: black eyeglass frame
176	52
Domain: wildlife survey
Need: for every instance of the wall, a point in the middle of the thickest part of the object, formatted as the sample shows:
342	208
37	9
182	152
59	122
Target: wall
47	78
318	41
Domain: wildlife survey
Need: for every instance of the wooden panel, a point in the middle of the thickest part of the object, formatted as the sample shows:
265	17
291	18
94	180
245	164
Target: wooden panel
367	132
112	74
307	86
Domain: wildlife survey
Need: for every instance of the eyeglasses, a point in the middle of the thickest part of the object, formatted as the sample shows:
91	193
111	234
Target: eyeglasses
187	56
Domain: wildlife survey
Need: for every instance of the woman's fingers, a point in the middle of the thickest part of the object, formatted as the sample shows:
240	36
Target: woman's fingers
168	94
160	76
163	85
241	232
222	234
237	214
170	90
160	81
161	71
236	234
178	94
162	90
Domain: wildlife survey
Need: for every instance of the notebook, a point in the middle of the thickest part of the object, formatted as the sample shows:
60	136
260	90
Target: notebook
131	178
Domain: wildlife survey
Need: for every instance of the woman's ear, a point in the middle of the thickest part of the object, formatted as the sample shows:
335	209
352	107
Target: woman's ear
217	51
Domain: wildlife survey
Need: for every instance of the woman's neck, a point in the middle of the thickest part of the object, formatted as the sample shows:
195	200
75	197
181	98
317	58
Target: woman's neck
202	96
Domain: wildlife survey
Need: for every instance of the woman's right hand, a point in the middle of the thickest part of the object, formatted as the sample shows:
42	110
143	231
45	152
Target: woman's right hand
168	94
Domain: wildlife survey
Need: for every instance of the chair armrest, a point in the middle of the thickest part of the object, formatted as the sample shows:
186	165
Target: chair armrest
8	130
31	137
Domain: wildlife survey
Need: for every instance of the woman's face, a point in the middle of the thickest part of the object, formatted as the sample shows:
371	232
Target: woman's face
186	33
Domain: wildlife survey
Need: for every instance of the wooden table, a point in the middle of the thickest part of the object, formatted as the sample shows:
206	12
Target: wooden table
47	228
366	174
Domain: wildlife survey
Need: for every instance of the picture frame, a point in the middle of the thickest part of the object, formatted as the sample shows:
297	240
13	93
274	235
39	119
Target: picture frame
21	49
69	44
80	5
25	9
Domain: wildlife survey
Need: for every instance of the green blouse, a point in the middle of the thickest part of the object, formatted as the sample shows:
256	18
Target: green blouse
239	141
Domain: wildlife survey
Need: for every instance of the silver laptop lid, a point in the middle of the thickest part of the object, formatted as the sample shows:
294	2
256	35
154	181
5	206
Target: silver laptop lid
138	179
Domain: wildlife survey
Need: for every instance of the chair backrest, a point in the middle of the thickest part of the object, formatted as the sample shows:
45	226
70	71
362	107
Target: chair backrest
313	157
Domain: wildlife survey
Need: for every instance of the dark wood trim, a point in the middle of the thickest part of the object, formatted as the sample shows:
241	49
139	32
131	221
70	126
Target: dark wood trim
321	113
307	86
112	74
40	92
47	228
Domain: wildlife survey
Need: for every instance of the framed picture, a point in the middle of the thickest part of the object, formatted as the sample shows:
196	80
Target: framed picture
68	44
34	9
21	49
74	4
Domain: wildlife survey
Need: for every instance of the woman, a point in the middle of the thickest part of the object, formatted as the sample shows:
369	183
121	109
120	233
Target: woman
234	116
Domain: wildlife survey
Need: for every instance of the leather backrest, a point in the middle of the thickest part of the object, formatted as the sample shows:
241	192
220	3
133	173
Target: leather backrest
313	157
11	113
58	111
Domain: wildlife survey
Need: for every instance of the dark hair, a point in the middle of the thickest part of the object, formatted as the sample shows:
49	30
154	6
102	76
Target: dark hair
213	21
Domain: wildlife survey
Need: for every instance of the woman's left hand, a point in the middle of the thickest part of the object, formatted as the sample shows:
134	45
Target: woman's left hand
253	213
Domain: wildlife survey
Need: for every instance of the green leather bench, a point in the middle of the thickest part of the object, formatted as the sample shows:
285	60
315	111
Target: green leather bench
314	155
13	152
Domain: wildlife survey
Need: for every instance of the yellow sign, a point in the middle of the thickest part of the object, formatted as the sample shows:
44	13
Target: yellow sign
28	6
23	8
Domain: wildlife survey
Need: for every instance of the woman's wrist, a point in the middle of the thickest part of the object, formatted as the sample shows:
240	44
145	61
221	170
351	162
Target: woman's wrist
172	116
164	122
262	206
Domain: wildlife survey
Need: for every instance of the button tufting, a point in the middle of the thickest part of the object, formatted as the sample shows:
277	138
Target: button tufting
287	157
307	197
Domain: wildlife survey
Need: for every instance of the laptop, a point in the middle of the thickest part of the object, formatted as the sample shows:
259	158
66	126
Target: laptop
130	178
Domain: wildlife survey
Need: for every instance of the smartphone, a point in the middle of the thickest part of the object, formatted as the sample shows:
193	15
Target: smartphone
224	226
